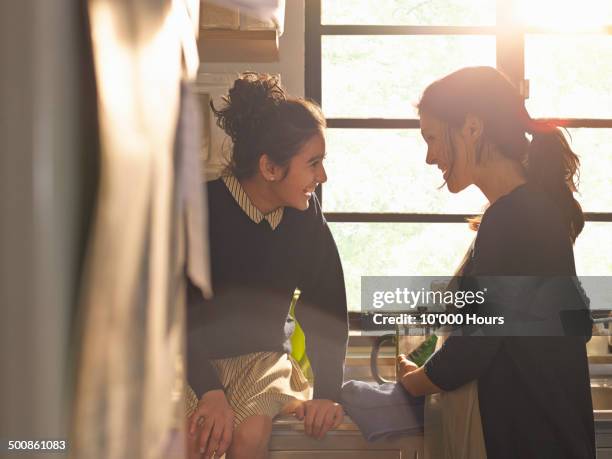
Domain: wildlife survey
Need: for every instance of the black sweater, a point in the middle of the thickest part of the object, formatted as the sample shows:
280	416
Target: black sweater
534	392
255	271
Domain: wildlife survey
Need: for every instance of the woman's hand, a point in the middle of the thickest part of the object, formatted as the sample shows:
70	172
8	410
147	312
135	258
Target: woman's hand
405	366
414	379
320	416
217	420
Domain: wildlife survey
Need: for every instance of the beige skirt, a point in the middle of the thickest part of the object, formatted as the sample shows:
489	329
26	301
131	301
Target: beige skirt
261	383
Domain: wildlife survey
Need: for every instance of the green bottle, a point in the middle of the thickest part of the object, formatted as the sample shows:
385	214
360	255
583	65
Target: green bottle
424	350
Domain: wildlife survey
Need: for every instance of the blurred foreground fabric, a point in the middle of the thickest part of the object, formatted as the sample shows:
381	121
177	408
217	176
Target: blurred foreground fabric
149	213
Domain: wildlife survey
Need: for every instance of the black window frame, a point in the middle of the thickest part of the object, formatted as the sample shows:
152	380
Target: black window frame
510	58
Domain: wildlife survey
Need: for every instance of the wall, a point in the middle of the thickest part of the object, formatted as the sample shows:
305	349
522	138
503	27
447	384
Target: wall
43	181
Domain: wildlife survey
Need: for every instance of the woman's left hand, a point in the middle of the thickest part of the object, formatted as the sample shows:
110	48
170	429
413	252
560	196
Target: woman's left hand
320	416
405	366
414	379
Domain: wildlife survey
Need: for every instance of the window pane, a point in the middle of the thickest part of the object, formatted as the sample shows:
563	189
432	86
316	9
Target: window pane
593	248
384	76
569	75
594	146
564	15
436	249
408	12
398	249
384	171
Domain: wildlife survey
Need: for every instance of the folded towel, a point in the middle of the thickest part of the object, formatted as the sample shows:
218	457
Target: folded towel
382	410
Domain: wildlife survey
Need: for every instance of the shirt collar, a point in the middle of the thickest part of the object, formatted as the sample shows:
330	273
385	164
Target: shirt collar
233	185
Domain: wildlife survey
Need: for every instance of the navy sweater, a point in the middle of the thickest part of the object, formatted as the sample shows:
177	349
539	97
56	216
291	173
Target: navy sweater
534	392
255	271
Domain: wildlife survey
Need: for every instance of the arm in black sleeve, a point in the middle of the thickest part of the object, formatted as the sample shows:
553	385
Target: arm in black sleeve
461	359
323	316
201	375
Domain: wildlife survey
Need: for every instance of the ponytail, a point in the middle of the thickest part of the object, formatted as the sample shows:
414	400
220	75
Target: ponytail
553	167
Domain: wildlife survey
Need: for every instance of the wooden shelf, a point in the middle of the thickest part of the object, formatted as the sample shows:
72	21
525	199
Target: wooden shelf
238	45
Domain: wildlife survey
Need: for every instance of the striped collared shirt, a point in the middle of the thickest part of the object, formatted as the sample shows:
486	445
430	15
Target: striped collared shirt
233	185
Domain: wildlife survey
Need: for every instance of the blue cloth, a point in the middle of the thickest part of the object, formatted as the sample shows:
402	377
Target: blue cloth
382	410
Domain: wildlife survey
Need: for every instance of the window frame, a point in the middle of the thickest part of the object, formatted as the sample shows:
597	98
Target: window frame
510	59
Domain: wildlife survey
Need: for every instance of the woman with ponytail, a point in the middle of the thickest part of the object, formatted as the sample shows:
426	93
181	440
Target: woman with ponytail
530	395
267	238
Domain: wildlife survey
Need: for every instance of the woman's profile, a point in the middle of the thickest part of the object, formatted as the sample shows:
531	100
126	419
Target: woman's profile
532	393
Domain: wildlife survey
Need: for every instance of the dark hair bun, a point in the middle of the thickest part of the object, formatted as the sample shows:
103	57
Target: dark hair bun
253	99
261	119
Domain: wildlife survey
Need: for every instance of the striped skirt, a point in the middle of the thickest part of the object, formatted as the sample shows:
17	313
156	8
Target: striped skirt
261	383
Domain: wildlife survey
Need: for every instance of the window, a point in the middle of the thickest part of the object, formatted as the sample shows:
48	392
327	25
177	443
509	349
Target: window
367	63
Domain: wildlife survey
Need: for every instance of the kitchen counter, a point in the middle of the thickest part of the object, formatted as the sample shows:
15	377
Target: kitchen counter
345	442
288	439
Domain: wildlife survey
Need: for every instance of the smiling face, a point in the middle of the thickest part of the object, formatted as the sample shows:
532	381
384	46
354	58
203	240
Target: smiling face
450	150
305	173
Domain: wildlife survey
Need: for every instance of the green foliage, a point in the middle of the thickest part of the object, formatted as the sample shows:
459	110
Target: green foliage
409	12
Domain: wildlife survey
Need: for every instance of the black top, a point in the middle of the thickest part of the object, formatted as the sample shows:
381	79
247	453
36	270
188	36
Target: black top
534	392
255	271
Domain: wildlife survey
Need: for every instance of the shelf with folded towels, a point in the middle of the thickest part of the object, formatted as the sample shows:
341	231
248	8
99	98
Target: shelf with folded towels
231	34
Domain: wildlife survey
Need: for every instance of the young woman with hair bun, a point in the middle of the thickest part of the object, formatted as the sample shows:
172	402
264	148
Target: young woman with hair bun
268	237
521	396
